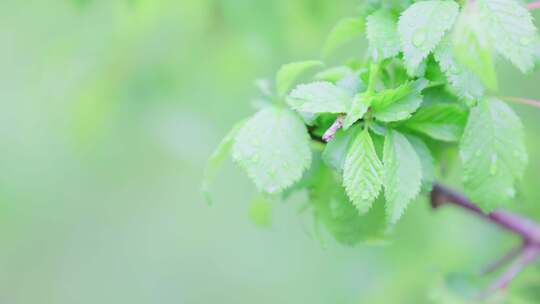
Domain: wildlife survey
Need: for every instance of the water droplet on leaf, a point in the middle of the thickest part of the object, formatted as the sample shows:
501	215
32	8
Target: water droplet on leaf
419	37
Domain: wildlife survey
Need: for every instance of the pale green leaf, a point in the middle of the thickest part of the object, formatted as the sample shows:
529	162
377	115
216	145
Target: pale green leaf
359	107
426	160
381	32
493	153
402	174
352	84
440	121
384	99
288	73
310	176
320	97
217	157
390	106
422	26
463	82
335	151
332	208
334	74
473	48
273	148
346	30
362	173
509	26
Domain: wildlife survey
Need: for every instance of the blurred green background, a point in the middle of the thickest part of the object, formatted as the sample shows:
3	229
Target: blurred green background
109	112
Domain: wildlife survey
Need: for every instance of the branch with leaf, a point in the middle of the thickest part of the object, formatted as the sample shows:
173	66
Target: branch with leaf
366	138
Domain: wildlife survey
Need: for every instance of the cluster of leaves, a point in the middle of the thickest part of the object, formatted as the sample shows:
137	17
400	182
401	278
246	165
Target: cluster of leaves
425	84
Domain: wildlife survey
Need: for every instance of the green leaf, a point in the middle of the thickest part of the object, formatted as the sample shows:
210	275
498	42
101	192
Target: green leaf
440	121
362	174
273	148
394	73
463	82
346	30
384	99
493	153
335	152
334	74
427	162
381	30
332	208
402	174
288	73
359	107
472	48
390	106
260	212
309	178
509	26
422	26
320	97
352	84
217	158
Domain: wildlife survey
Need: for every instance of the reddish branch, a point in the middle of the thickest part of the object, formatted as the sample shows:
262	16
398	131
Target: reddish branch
526	229
521	100
533	5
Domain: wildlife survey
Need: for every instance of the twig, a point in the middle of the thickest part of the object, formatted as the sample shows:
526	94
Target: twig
524	227
525	257
533	5
528	230
520	100
331	132
511	255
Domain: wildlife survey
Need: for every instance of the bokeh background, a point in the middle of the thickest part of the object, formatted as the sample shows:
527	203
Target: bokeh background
109	112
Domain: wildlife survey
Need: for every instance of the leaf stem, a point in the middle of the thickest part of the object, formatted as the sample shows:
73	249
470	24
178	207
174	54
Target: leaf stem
435	84
521	100
373	73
